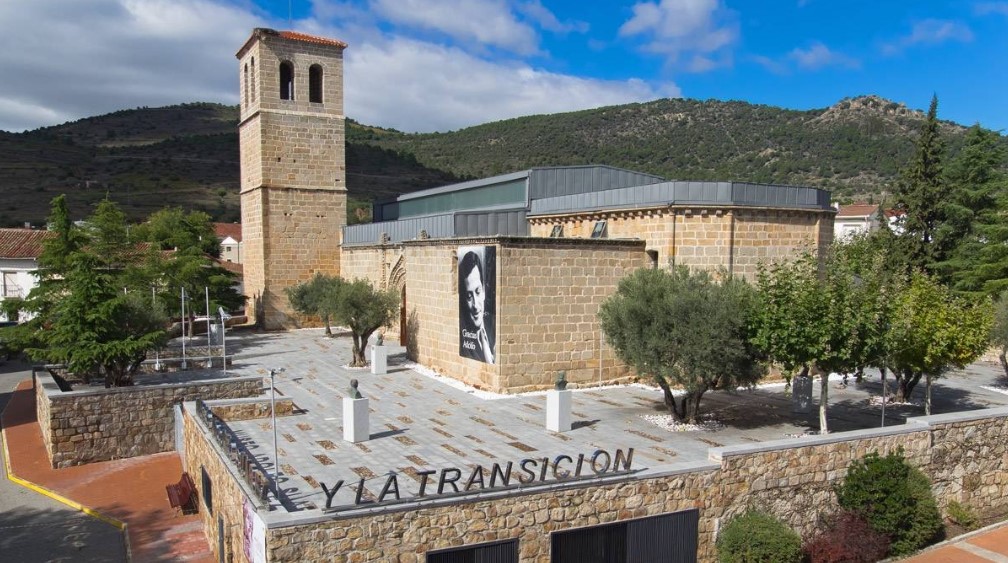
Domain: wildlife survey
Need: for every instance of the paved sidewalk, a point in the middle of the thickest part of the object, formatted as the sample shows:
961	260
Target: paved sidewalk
983	546
130	490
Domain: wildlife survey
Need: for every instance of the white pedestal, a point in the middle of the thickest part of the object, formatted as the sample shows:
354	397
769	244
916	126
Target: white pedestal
558	410
379	360
355	420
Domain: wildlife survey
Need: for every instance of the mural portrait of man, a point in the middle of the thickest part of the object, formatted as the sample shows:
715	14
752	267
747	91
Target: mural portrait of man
477	302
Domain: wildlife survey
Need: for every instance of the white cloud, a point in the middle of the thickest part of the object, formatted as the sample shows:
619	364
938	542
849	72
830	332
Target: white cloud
480	22
986	8
547	20
818	56
417	86
106	55
930	32
699	31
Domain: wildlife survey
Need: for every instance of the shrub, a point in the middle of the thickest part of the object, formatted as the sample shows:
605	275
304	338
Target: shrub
755	537
849	539
963	515
895	498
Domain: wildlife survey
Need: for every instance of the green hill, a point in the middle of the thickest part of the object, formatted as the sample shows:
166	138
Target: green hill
187	155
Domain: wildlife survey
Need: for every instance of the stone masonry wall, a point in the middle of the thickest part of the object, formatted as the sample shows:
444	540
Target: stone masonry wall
85	426
549	293
228	498
293	172
792	479
301	230
547	300
736	239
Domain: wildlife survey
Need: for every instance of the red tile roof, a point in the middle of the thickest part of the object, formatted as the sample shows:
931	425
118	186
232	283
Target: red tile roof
298	36
890	213
261	32
225	230
857	210
232	267
22	243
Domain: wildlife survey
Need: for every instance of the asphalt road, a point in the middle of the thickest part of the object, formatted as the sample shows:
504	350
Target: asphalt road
36	528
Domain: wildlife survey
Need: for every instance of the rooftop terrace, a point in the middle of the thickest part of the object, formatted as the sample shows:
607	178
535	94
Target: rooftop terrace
422	424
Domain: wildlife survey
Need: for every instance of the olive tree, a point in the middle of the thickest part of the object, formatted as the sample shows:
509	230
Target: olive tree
683	329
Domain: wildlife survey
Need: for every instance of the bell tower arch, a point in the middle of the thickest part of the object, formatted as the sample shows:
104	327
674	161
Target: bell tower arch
293	165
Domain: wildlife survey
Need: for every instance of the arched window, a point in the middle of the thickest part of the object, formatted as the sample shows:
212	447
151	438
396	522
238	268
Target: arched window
253	80
286	80
245	79
315	84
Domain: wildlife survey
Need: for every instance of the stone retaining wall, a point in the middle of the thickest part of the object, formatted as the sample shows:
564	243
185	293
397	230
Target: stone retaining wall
98	424
965	455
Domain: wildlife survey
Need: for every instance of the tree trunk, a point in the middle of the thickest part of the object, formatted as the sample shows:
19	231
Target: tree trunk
823	401
358	352
1004	361
694	405
670	401
927	400
328	329
907	381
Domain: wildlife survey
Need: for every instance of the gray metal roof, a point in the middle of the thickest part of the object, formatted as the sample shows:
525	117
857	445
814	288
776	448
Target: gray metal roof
509	222
570	180
686	193
465	185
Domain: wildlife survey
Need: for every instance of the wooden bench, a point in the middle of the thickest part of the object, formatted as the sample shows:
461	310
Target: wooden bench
183	494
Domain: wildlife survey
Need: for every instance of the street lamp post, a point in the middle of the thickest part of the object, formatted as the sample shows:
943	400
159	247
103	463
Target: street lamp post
276	458
183	329
223	324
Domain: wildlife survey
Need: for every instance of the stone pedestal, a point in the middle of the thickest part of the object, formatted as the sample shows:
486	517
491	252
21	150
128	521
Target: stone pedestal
801	395
355	420
379	360
558	410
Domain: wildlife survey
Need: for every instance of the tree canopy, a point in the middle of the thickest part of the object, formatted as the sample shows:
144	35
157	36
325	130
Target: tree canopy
683	329
355	304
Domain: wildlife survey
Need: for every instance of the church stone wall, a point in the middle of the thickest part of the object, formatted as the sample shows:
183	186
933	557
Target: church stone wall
736	239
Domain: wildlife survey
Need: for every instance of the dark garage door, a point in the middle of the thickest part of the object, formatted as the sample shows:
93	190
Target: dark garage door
668	538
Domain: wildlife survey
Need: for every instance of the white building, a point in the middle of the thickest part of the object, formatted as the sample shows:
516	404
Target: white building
230	235
19	252
856	218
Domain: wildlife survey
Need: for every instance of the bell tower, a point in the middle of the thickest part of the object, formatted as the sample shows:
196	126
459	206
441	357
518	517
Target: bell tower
293	166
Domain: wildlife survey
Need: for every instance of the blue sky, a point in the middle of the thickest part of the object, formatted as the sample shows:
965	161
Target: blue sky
438	65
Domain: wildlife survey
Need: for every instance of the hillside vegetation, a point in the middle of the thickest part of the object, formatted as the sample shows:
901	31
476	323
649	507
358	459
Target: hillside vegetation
187	155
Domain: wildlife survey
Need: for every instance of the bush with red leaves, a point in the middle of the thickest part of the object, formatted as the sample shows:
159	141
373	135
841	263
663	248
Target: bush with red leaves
849	539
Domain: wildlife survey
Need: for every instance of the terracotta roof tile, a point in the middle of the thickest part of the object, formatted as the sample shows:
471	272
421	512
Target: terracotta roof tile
262	32
857	210
22	243
298	36
233	267
224	230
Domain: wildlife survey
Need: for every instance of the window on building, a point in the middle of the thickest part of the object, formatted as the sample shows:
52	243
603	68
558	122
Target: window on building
557	231
600	230
207	491
315	84
286	80
670	538
653	256
245	81
10	287
496	552
253	85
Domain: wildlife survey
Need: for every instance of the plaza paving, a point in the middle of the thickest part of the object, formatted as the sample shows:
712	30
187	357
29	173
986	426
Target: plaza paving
419	421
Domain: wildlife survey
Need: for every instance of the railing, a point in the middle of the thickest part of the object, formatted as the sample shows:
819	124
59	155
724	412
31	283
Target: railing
248	466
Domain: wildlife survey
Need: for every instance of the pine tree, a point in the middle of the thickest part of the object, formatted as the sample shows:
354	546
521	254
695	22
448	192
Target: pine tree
975	234
920	193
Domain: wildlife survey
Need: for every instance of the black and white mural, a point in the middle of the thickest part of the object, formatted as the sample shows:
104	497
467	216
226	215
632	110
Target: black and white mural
477	267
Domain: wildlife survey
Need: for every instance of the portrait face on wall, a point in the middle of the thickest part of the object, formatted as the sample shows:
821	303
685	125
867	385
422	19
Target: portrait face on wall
477	300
